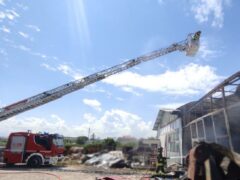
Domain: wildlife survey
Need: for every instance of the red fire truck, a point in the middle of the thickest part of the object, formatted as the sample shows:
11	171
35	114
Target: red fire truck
33	149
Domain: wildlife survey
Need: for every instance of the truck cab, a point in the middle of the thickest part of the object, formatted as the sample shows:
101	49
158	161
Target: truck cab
33	149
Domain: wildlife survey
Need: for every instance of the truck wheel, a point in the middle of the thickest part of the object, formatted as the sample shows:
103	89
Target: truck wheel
34	162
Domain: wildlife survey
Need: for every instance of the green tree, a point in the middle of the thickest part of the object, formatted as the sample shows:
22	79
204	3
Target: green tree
93	147
81	140
109	144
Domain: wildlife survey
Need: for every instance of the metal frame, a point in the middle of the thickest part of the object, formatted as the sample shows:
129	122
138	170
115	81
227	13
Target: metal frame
222	97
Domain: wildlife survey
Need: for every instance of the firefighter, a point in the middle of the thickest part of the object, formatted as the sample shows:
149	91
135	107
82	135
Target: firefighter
161	161
197	35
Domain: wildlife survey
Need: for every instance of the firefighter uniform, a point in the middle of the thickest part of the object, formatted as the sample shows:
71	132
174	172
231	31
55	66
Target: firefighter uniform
161	161
197	35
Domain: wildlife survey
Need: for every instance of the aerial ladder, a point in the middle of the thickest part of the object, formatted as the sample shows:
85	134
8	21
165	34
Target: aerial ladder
190	45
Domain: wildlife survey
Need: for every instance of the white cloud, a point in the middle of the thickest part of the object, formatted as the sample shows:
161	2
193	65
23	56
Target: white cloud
63	68
52	125
93	103
189	79
42	55
33	27
113	123
89	117
48	67
22	47
205	52
67	70
5	29
205	9
2	2
169	105
116	122
8	14
130	90
25	35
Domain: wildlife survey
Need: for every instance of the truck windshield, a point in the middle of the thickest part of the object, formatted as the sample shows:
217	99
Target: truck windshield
58	141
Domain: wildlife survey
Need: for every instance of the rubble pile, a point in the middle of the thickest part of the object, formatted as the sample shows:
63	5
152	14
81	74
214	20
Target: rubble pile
213	161
112	159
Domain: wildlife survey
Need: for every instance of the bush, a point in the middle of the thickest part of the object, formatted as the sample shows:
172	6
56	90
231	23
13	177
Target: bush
93	147
81	140
109	144
127	147
67	148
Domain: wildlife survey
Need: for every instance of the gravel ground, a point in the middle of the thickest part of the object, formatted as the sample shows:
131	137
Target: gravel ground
64	173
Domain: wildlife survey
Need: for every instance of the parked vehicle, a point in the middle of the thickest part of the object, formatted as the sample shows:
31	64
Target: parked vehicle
33	149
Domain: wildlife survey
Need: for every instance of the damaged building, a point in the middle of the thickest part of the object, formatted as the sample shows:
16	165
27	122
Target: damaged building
213	118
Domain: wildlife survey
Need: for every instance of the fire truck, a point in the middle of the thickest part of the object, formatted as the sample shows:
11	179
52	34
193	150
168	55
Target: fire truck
33	149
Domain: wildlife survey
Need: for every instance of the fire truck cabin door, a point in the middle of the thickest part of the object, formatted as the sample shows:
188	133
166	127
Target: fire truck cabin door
16	150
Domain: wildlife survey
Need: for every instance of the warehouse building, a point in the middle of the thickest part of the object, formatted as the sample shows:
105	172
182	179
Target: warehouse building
213	118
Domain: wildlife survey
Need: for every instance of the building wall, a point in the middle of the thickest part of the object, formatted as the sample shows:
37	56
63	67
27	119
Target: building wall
170	137
221	126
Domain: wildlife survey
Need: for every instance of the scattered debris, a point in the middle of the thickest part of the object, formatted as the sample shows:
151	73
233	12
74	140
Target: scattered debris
113	159
75	150
212	161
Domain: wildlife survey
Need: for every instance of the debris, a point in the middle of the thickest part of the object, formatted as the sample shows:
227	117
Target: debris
111	159
76	156
75	149
212	161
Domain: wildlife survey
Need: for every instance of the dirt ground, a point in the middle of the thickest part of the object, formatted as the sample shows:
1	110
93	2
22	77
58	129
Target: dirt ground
64	173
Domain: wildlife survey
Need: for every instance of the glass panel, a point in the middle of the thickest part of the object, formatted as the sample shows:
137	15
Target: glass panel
58	142
223	141
186	140
43	141
209	129
194	130
200	129
17	143
234	122
220	126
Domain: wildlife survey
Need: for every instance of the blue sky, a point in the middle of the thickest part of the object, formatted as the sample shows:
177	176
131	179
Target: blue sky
44	44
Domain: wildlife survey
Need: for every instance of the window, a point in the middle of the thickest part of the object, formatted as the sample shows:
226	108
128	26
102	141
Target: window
43	141
17	143
187	140
220	126
224	142
173	142
233	114
200	129
209	129
58	141
194	130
